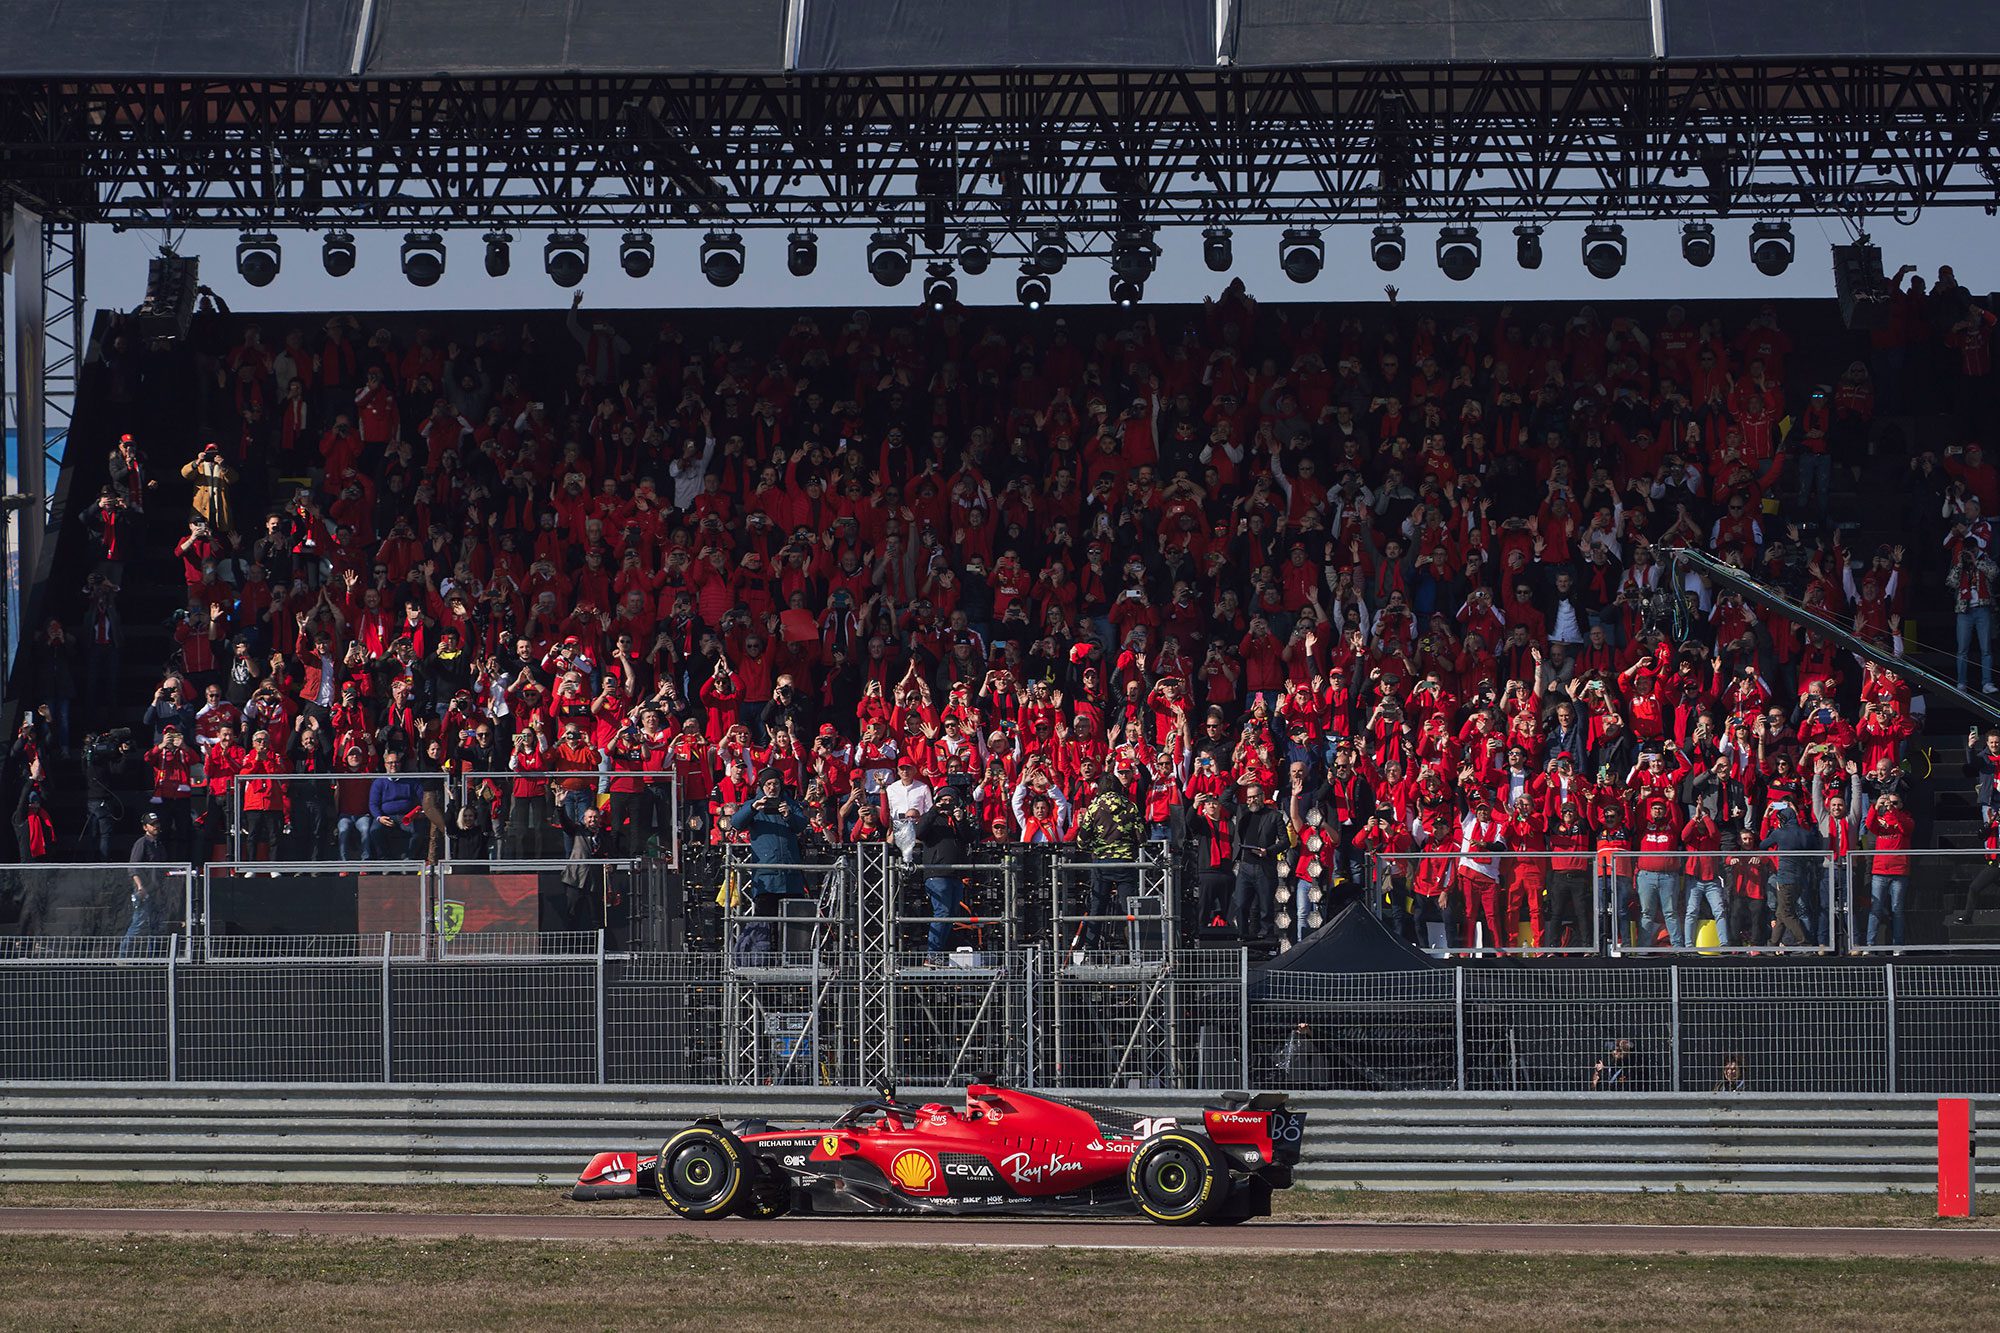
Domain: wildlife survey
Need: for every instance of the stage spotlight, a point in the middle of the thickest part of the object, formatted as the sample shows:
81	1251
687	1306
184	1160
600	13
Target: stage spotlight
975	252
336	254
1698	243
1301	254
1127	291
1604	249
940	287
1050	250
1133	254
423	258
1458	252
1771	247
1528	245
499	253
802	253
1031	289
1385	247
635	254
721	258
1216	250
258	258
566	258
889	257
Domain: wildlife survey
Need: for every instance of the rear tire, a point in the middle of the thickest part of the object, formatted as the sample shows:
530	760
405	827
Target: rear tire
703	1173
1178	1179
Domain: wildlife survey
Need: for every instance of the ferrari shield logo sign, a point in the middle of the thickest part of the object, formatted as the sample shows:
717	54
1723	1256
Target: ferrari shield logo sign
450	919
914	1172
829	1145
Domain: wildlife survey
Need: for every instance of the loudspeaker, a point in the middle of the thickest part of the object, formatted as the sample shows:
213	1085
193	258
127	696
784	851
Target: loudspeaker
1858	283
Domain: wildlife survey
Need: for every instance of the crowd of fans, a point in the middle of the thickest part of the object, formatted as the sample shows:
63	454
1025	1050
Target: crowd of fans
1288	587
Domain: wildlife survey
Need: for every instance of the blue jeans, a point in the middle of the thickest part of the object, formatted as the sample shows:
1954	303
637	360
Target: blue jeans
1657	890
946	894
1976	625
1711	889
1885	910
355	826
1815	479
147	919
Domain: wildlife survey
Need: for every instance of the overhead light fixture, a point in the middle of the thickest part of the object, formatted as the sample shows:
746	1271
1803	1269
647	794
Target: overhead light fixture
336	254
635	253
1031	289
721	258
1698	243
1385	247
499	253
1301	254
802	253
1458	252
566	258
1528	245
1134	253
258	258
940	287
1127	291
1050	250
1604	249
423	258
1217	249
889	257
1771	247
975	251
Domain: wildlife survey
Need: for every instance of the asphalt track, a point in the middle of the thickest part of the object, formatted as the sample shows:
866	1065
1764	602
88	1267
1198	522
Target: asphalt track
1324	1237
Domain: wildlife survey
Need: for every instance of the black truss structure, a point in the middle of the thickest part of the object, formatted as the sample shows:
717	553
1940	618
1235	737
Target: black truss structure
1010	151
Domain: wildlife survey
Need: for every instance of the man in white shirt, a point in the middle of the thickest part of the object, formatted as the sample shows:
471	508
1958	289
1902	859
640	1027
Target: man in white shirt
907	799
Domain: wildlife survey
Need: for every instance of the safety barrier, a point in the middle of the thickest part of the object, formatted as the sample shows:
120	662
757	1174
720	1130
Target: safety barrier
510	1135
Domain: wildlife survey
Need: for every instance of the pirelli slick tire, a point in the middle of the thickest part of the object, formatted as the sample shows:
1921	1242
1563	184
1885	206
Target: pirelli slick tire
704	1173
1178	1178
766	1194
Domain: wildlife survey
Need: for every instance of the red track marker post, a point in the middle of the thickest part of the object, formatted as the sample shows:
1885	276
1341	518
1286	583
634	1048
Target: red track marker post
1956	1149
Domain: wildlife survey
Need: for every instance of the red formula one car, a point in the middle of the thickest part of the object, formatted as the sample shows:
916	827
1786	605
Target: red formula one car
1007	1151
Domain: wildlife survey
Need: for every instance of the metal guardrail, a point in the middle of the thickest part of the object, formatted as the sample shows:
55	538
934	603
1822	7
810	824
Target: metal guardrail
510	1135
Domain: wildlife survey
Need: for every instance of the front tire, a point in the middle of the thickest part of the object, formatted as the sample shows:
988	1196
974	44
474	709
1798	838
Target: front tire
1178	1179
703	1173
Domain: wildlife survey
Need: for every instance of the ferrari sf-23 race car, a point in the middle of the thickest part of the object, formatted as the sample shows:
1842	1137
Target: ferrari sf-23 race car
1006	1152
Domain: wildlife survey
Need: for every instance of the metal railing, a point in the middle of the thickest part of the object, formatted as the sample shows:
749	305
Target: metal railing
1431	899
577	1012
1929	906
308	825
53	909
1750	903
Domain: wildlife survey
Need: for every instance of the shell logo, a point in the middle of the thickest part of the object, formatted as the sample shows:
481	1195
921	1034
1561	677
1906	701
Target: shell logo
913	1171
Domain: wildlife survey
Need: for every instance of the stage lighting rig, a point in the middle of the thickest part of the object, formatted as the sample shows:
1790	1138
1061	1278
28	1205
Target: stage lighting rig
635	253
802	253
1698	243
1771	247
423	258
336	254
566	258
1217	251
1031	289
1050	250
1301	254
1458	252
499	253
1528	245
258	258
1385	247
889	257
721	258
940	287
975	251
1604	249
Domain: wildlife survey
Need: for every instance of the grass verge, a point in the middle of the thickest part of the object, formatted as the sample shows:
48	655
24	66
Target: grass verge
215	1283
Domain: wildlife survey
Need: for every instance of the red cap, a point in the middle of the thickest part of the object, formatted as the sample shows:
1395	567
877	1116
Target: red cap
826	729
